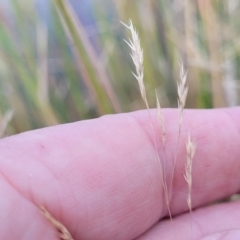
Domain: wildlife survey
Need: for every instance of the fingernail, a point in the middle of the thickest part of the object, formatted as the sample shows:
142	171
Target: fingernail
223	235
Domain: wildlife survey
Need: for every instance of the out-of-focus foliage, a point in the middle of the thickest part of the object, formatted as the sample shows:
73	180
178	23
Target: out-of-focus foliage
57	67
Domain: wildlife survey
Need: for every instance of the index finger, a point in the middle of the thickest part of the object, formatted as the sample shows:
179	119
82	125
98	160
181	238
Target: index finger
101	177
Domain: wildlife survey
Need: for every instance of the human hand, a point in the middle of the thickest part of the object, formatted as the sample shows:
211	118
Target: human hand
101	178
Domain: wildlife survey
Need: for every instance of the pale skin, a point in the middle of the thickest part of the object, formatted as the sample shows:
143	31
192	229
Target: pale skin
101	178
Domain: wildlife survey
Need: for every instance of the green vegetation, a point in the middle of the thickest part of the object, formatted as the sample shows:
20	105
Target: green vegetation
63	72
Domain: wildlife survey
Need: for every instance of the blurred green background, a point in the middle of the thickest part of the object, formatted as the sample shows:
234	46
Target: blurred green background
64	61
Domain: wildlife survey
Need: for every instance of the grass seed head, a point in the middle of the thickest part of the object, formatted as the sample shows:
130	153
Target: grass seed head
182	90
191	149
63	233
161	120
137	57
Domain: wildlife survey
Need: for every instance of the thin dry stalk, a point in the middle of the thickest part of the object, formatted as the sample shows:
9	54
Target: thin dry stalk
62	230
163	136
191	149
182	90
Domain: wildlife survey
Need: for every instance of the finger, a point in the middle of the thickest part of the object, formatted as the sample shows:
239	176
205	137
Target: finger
223	235
90	175
101	178
221	221
19	218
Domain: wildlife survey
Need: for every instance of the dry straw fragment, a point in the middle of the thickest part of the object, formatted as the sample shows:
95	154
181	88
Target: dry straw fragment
62	230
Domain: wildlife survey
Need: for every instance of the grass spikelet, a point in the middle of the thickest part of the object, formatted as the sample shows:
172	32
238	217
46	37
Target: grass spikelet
182	90
137	57
161	121
191	149
62	230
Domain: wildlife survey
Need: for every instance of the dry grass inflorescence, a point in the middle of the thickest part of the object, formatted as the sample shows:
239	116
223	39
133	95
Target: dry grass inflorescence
63	233
182	89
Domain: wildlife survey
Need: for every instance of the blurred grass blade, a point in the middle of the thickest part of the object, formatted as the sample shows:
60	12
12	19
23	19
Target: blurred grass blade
7	117
42	73
42	50
213	28
96	73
